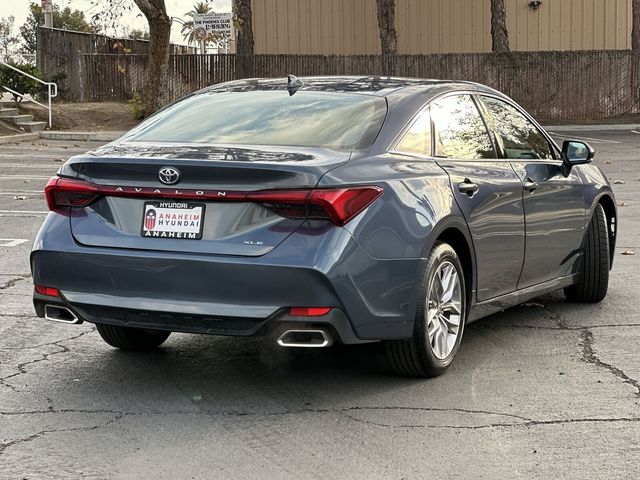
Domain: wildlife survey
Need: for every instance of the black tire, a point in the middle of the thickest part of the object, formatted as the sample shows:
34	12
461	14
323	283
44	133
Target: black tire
415	356
135	339
594	278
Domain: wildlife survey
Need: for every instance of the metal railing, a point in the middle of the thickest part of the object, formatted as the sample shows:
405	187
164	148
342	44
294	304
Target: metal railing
52	90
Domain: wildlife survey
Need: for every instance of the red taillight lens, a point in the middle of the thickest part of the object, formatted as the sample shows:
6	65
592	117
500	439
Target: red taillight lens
64	192
336	204
49	291
309	311
341	205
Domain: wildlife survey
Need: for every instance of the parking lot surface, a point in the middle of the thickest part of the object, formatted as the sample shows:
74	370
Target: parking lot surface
545	390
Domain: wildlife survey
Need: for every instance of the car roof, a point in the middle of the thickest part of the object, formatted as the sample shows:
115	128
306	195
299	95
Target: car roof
368	85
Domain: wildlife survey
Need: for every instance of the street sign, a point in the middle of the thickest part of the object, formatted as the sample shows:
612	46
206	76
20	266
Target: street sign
47	6
214	23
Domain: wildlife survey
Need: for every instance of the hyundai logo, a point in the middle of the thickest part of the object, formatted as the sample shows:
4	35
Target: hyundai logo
169	175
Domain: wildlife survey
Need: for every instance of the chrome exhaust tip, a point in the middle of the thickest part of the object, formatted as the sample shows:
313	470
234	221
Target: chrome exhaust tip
305	338
55	313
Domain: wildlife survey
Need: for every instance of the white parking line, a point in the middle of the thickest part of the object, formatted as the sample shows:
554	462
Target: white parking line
27	177
635	131
23	192
572	137
12	242
24	212
22	165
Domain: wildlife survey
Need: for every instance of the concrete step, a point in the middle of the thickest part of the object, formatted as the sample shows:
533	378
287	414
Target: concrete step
8	112
18	119
33	126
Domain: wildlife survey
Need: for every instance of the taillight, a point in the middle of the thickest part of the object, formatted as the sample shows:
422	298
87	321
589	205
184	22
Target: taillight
65	192
48	291
309	311
336	204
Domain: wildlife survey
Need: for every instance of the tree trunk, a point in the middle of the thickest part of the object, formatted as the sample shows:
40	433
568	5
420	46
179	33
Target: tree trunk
387	26
244	26
635	33
499	34
155	12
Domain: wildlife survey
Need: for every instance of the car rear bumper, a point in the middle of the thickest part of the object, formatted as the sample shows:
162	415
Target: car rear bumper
335	322
371	299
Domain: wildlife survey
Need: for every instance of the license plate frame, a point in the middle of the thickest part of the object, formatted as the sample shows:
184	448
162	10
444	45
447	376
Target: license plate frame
173	220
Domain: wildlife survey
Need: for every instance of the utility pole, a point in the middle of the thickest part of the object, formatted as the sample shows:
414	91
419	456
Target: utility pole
47	9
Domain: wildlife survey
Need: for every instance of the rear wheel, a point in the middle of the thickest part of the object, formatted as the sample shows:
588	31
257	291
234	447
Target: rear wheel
439	320
127	338
594	279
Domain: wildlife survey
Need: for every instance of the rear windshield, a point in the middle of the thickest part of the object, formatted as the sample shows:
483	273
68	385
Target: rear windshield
306	119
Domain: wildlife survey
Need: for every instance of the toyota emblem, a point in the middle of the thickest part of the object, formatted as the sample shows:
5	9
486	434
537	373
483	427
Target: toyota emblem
169	175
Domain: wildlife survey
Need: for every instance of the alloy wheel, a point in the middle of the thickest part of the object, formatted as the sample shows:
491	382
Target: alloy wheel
444	309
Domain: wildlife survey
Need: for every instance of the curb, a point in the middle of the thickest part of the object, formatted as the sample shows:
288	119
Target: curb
81	136
593	128
20	137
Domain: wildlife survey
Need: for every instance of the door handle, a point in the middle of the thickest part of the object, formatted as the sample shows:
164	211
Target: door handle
530	185
468	187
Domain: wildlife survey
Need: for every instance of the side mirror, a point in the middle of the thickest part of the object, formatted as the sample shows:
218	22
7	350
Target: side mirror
576	153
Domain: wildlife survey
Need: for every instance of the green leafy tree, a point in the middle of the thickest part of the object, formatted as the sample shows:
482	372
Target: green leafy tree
64	18
18	82
8	41
139	34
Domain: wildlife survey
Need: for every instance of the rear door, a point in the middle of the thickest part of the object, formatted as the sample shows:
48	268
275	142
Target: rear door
553	204
487	190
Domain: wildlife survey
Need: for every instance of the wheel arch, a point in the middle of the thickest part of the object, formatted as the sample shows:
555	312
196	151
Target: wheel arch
458	237
610	211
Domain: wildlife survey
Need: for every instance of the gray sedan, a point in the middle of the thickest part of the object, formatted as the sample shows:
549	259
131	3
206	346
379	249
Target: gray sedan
325	209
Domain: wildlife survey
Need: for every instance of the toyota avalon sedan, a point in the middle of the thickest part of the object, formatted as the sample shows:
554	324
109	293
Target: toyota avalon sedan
321	210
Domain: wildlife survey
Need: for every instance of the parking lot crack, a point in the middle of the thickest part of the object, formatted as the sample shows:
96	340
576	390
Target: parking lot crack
14	281
22	367
30	438
589	356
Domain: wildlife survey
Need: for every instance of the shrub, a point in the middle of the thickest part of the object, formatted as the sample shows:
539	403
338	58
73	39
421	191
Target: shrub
137	106
20	83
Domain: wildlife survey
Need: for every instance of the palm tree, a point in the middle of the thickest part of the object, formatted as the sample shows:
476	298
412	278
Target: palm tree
187	30
499	34
387	26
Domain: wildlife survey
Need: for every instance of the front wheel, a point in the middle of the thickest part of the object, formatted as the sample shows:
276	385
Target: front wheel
128	338
440	319
594	279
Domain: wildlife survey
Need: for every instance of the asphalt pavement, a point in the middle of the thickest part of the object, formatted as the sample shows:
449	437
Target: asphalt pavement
547	390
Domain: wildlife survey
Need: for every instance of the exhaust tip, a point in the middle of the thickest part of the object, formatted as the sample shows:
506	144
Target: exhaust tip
305	338
59	314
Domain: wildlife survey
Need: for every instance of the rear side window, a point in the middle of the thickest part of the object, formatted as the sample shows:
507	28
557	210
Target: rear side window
520	138
417	140
307	119
459	129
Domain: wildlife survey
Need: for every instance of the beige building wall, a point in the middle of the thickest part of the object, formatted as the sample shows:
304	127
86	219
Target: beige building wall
315	26
570	25
348	27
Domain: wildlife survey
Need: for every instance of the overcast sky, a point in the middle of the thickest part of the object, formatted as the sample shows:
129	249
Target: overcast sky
175	8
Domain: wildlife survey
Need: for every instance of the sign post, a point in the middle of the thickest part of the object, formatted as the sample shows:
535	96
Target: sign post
213	26
47	9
